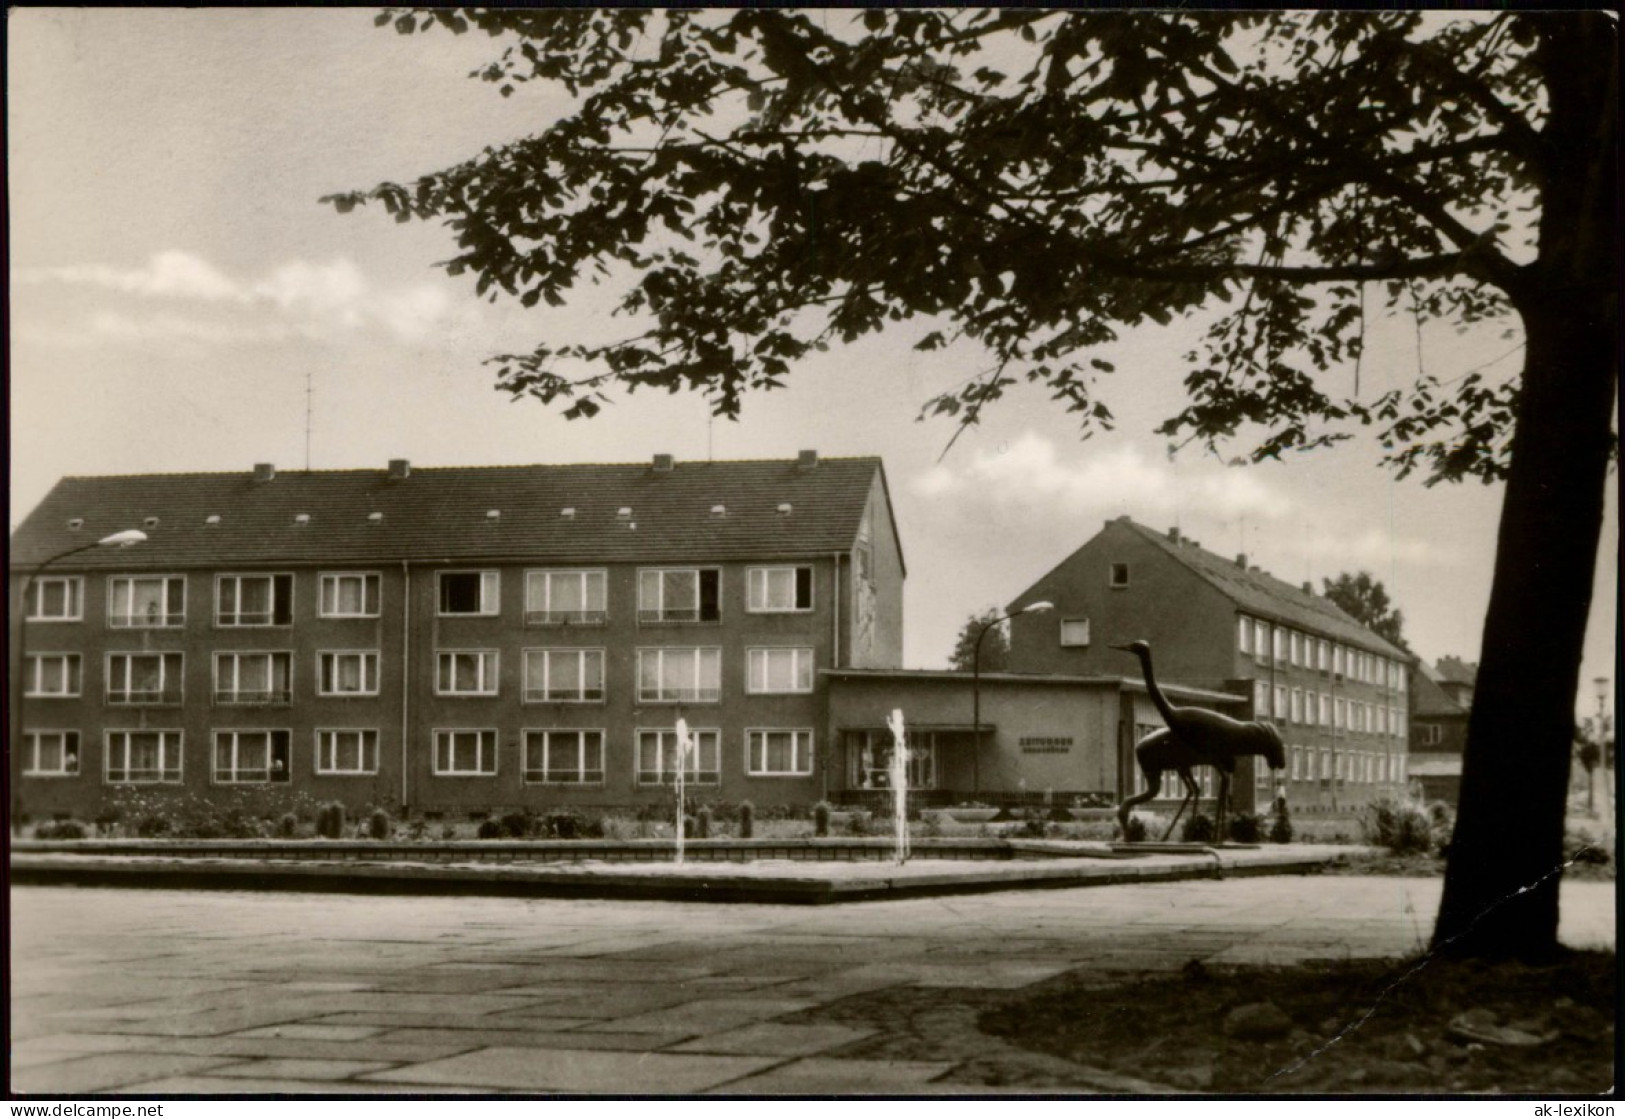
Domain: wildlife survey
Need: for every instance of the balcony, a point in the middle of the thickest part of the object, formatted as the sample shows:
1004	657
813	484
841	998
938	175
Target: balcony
145	697
151	620
244	698
566	617
564	695
678	616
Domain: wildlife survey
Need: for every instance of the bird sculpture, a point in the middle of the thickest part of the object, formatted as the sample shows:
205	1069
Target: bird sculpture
1194	736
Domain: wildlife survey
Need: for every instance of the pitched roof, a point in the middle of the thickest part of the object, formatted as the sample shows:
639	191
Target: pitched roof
1267	597
1453	670
442	514
1429	700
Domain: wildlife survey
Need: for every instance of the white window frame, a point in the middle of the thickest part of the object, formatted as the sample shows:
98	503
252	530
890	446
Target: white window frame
1262	641
1117	575
1295	754
586	776
1294	647
706	740
1297	706
1244	635
329	584
659	613
758	581
802	752
757	673
68	746
542	613
487	739
1323	652
165	620
234	735
1261	701
369	668
234	621
698	693
546	693
1282	702
1278	650
170	743
487	672
236	696
169	694
73	602
327	751
490	593
1325	709
72	670
1074	643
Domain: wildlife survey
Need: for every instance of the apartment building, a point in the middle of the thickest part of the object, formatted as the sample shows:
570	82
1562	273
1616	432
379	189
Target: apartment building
1336	691
448	640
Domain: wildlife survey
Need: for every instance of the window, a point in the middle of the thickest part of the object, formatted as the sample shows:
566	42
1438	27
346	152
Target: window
253	600
468	592
1340	713
1297	705
51	753
143	757
250	757
1244	635
564	675
146	601
1325	709
341	674
466	673
52	675
1281	706
1261	632
253	678
1119	575
346	753
1297	762
779	671
1296	647
564	757
1338	659
1280	645
465	753
672	595
144	679
1261	700
1323	655
350	595
56	598
657	758
779	590
554	598
679	675
1075	633
779	753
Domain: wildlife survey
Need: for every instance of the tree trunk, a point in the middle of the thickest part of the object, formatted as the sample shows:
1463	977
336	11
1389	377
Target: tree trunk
1501	884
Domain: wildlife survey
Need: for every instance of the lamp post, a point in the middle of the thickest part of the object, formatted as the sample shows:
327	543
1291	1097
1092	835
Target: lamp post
976	689
14	744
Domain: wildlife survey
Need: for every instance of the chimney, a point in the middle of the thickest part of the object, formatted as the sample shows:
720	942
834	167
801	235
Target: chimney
1241	560
399	469
1173	534
807	460
1308	588
264	471
663	464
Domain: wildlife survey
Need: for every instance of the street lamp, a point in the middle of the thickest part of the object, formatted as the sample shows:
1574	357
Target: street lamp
14	744
976	689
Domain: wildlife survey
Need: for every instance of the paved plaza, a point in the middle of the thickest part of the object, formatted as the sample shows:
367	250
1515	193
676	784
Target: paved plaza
165	992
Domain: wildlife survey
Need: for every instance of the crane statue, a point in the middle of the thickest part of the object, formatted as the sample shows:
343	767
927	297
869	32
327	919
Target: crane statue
1195	736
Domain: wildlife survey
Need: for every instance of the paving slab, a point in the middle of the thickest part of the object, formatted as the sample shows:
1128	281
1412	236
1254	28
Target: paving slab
775	1039
104	1072
579	1070
295	1068
702	1016
835	1076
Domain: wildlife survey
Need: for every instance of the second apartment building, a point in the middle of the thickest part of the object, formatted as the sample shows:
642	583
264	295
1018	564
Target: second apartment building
451	639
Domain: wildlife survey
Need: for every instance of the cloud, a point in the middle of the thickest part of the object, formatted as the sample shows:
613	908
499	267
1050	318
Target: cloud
171	274
1376	549
308	299
1030	472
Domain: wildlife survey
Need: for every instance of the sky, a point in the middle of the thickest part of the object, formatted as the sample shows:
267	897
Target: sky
180	301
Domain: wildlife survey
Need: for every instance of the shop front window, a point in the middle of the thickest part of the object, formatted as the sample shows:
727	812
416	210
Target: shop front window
870	756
